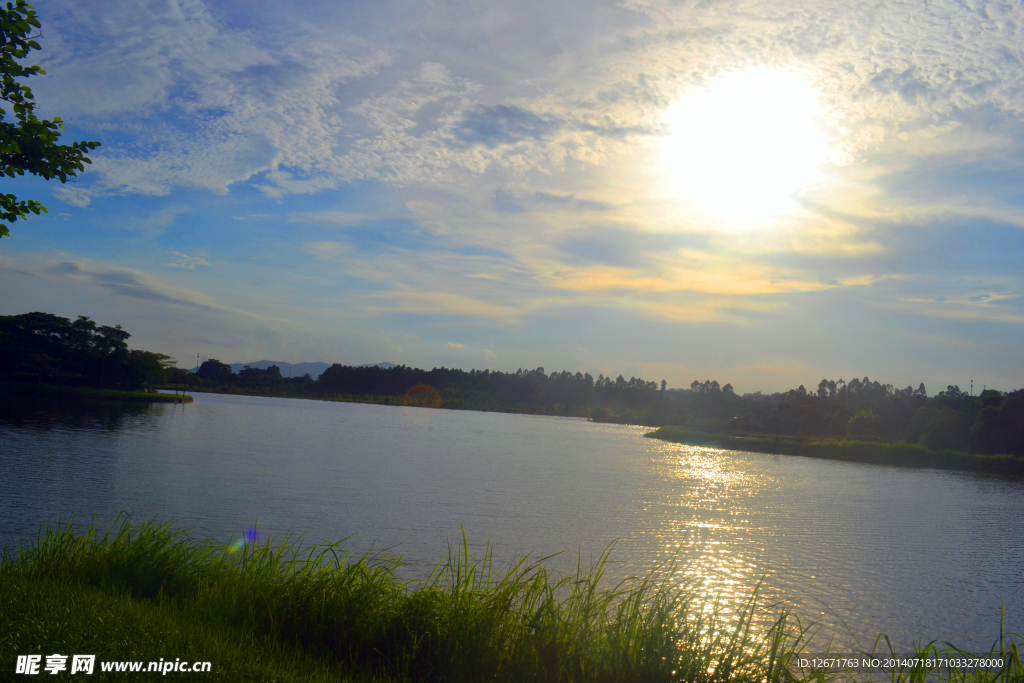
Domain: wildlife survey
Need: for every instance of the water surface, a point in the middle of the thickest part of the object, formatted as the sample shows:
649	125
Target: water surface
864	549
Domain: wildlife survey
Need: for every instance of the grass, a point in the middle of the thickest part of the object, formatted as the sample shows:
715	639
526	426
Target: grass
283	612
46	617
875	452
60	392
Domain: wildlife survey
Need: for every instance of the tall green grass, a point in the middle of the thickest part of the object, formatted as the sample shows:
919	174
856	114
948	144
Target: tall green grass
47	617
470	619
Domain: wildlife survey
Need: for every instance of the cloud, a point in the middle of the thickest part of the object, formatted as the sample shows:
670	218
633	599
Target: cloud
398	344
75	196
615	246
157	222
521	146
128	283
188	102
166	317
748	280
513	202
327	250
336	218
908	84
186	262
454	345
504	124
449	303
184	98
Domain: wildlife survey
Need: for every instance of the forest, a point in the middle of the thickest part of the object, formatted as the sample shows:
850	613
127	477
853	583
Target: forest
859	409
41	348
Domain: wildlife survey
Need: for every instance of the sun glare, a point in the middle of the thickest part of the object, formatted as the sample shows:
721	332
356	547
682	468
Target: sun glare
744	145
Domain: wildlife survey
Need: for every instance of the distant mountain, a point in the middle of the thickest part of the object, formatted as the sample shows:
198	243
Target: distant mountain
315	368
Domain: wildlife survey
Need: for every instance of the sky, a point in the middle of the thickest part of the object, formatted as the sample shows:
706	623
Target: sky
760	193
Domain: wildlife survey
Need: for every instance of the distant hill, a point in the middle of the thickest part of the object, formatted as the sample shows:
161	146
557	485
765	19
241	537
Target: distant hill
315	368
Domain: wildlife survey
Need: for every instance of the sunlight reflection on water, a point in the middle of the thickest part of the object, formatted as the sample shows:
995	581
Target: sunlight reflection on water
863	549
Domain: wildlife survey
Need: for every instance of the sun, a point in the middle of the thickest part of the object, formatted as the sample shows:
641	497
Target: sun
745	145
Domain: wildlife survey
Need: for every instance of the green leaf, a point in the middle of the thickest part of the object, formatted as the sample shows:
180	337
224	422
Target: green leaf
28	144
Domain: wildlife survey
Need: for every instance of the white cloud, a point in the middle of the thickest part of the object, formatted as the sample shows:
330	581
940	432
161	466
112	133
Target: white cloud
518	139
183	100
124	282
335	218
186	262
75	196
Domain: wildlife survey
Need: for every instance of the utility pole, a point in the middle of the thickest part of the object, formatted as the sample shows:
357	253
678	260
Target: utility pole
972	386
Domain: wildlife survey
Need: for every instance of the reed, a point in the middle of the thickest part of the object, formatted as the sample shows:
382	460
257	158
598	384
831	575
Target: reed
470	619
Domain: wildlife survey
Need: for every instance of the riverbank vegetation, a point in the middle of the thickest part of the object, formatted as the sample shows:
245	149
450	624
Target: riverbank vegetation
907	423
903	423
42	348
277	612
863	421
59	393
876	452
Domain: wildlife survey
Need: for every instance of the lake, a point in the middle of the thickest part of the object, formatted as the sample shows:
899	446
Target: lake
915	554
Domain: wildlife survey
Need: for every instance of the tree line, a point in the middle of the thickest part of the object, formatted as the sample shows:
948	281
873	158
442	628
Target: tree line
527	391
46	349
866	410
42	348
860	409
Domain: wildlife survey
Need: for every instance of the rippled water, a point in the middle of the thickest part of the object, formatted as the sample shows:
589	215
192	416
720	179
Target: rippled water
863	549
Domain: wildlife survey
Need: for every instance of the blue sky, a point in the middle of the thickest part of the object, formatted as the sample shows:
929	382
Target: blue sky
761	193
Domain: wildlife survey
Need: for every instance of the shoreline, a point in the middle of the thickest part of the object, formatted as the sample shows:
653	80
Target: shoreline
386	400
60	392
899	454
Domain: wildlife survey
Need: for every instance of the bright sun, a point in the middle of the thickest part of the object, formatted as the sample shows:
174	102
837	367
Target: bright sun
743	146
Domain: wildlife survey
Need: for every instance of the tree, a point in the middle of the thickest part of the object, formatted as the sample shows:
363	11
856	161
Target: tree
45	348
29	144
110	340
137	369
215	372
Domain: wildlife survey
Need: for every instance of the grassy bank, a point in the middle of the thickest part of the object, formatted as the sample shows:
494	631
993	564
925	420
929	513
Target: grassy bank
468	621
39	616
57	392
263	612
875	452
